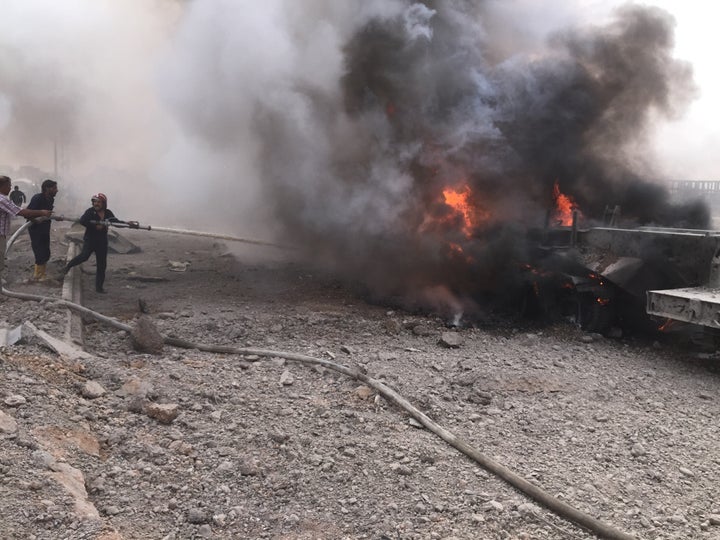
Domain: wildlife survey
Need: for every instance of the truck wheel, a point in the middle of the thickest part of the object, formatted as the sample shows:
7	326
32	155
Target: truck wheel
593	316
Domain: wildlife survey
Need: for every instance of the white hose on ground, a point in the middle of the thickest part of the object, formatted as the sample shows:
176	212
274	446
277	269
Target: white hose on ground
560	508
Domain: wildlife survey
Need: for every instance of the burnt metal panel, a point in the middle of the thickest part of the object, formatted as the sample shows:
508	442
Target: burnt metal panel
697	305
683	254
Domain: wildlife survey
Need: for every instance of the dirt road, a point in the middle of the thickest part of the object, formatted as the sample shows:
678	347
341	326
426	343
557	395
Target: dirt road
188	444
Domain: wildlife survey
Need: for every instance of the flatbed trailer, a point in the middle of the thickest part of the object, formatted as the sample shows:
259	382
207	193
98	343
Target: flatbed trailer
674	273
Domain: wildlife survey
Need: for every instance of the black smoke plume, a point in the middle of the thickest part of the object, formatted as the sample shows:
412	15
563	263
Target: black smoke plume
430	103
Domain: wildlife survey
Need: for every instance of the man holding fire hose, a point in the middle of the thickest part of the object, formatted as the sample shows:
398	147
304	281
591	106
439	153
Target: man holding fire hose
40	231
95	240
8	209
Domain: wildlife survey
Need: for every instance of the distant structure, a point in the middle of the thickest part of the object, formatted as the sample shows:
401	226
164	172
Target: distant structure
693	189
707	190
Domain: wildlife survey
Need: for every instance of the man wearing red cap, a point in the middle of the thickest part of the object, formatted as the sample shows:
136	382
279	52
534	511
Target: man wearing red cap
95	239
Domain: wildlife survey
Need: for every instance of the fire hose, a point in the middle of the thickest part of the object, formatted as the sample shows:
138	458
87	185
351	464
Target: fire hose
559	507
186	232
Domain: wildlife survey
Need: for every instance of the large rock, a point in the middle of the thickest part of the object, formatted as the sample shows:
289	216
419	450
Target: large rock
146	337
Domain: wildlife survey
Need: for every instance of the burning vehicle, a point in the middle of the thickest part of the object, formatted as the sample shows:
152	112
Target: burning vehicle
450	182
668	274
639	278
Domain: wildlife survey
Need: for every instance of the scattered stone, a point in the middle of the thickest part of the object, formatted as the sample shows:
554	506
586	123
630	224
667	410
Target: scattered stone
135	404
364	392
286	379
135	387
422	330
451	340
197	516
494	505
248	468
384	356
392	326
279	437
92	390
164	413
401	469
15	400
7	423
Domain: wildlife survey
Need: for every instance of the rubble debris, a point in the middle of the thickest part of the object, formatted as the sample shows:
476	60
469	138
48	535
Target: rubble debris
65	350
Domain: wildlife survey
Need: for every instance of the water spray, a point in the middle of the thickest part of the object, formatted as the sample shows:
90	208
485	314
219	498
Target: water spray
186	232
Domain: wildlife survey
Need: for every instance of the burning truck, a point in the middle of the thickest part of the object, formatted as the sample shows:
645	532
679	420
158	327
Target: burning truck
633	278
423	167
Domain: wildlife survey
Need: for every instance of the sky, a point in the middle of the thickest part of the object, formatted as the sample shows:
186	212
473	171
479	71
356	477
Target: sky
690	146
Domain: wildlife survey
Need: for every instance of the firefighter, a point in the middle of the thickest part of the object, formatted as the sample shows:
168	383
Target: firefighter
40	231
95	240
8	209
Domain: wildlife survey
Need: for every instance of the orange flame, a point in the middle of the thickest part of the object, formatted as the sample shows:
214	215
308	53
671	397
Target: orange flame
564	207
664	327
459	201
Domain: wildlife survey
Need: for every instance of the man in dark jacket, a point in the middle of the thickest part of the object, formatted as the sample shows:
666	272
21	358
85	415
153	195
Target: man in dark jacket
40	232
95	239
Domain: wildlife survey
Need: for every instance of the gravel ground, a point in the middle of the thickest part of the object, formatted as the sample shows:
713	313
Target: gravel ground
189	444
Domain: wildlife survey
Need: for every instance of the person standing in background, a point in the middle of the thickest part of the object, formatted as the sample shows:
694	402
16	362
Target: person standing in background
8	209
17	196
40	232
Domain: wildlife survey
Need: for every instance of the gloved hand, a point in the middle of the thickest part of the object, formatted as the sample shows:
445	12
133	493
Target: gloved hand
134	224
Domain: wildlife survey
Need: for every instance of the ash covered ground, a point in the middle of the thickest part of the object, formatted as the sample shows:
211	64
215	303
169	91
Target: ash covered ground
622	429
